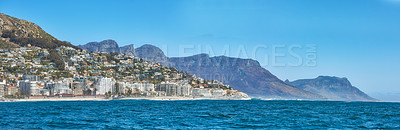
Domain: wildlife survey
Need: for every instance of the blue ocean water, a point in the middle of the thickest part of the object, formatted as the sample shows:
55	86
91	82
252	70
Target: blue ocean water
199	114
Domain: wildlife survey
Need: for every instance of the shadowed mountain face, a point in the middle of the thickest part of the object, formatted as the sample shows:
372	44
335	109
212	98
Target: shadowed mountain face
333	88
108	46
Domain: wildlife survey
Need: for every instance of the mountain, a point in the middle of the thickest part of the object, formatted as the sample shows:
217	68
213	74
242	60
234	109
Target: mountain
16	32
333	88
151	53
108	46
245	75
103	46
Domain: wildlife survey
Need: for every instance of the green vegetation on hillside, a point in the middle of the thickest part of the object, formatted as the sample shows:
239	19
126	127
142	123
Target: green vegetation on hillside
31	34
50	44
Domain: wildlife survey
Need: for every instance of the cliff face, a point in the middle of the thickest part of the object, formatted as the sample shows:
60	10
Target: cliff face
108	46
128	49
151	53
103	46
333	88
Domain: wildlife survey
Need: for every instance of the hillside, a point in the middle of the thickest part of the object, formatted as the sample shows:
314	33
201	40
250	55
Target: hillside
16	32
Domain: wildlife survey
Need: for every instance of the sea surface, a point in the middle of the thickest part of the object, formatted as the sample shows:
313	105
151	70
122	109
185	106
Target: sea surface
200	114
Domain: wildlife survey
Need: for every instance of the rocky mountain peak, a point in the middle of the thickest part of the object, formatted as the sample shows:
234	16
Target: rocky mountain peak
110	43
151	53
108	46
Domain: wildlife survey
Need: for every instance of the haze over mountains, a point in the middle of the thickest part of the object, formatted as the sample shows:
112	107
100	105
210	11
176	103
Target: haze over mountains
246	75
333	88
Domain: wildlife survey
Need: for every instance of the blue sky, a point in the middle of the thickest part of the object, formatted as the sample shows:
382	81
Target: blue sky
357	39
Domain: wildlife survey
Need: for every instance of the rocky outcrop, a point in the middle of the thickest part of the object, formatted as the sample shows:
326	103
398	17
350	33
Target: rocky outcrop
108	46
128	49
333	88
151	53
103	46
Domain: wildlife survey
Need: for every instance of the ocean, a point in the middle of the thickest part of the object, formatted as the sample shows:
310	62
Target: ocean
199	114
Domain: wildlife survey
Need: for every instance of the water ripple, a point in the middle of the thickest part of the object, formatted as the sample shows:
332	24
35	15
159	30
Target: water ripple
199	115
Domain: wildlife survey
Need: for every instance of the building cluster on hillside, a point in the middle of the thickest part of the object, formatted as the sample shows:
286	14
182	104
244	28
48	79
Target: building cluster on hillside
27	71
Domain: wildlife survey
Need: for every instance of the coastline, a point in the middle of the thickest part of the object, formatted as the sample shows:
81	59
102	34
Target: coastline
166	98
171	98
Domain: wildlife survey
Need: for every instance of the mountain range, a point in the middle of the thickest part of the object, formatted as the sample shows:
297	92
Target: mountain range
248	76
245	75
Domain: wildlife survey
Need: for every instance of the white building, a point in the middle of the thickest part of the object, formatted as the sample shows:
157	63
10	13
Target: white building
62	87
143	86
201	92
136	86
105	85
27	87
2	87
217	92
174	89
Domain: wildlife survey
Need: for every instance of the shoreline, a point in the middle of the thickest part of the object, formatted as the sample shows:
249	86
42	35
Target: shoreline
124	98
166	98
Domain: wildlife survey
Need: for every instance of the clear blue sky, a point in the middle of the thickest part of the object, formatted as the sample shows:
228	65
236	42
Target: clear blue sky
357	39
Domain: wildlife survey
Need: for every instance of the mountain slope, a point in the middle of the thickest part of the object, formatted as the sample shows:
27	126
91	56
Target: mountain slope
333	88
22	33
16	32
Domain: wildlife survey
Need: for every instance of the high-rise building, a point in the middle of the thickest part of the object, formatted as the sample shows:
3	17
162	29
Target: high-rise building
27	87
174	89
104	85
